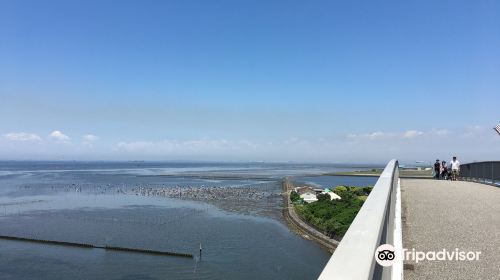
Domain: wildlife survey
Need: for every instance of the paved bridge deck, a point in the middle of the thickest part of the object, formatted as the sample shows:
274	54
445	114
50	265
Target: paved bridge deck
441	215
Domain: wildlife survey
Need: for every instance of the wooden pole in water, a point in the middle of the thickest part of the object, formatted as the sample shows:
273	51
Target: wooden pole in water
200	250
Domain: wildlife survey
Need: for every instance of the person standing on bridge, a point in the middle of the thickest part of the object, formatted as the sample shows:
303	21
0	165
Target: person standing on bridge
444	170
437	169
455	168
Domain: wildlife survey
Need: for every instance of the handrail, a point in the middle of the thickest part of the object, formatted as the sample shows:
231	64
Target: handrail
354	258
487	172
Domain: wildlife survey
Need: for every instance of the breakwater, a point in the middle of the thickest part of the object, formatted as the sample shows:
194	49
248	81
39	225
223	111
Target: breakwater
92	246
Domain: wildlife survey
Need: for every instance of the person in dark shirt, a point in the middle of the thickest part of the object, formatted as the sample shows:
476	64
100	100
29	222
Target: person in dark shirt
444	170
437	169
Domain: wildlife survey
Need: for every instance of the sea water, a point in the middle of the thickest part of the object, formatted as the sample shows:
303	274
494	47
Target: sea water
242	234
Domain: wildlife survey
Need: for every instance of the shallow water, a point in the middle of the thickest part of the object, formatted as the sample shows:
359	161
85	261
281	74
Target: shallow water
243	237
334	181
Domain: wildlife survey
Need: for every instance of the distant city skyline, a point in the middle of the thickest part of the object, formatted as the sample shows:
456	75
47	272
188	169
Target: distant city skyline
249	80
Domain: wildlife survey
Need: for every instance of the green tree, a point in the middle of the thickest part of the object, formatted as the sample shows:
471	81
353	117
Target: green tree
323	197
333	217
294	196
340	190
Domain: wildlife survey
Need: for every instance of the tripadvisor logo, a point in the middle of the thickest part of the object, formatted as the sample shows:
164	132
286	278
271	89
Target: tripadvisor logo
386	255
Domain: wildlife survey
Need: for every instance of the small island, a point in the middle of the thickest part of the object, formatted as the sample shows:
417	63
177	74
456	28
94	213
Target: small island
323	215
332	213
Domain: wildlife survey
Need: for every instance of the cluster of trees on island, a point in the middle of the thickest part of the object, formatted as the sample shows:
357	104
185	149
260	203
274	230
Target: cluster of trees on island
332	217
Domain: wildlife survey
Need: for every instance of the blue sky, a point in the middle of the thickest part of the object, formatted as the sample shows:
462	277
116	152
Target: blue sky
335	81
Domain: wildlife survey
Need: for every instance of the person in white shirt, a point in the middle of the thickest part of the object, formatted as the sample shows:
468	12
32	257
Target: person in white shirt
455	168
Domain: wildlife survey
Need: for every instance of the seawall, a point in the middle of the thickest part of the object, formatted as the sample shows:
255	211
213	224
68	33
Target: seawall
294	221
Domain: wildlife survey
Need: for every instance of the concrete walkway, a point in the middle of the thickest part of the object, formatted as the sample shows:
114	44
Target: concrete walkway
441	215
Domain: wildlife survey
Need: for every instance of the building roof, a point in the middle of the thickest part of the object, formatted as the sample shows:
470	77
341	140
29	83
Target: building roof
309	197
332	195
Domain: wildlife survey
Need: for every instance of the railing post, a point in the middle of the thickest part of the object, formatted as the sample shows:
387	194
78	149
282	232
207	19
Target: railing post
477	173
482	172
469	173
472	168
492	172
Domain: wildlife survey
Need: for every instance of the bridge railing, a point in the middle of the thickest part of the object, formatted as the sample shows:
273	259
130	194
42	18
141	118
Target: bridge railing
487	172
378	222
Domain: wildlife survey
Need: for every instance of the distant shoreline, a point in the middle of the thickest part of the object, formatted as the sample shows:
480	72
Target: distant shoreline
403	173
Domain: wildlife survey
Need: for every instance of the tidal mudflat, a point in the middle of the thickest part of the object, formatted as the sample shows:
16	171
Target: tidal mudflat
233	210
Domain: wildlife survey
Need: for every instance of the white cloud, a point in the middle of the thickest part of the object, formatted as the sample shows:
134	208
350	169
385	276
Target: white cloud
440	132
412	133
475	131
376	135
381	145
370	136
90	138
59	137
22	136
384	135
178	147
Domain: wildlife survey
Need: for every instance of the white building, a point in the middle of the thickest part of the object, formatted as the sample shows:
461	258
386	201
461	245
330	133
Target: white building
309	197
332	195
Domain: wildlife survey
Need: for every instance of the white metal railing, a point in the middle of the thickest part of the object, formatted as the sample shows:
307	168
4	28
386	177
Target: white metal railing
378	222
